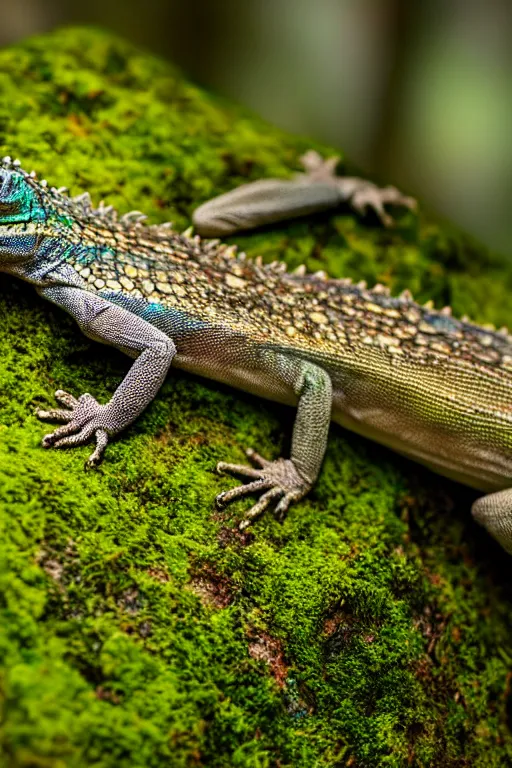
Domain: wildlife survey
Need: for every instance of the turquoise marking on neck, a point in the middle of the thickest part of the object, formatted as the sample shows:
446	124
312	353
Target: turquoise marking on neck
19	203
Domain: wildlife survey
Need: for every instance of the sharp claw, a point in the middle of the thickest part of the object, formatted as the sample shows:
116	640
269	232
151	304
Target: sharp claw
256	458
317	168
97	455
61	432
369	196
282	507
54	415
65	398
238	469
242	490
261	506
77	439
311	160
409	202
84	419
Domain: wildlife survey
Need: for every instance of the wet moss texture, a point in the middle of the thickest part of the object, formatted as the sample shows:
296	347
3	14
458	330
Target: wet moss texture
138	627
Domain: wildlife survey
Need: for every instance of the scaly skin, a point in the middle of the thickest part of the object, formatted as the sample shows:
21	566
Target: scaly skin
438	390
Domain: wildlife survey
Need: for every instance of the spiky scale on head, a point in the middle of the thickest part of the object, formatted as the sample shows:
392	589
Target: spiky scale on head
20	200
23	214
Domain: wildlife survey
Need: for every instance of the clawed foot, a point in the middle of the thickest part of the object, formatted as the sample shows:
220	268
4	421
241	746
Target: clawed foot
318	169
370	196
362	194
85	419
279	479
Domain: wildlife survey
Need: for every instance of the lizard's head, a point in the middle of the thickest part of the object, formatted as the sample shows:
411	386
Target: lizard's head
23	212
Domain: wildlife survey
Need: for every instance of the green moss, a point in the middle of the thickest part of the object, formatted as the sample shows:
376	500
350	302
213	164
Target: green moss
138	627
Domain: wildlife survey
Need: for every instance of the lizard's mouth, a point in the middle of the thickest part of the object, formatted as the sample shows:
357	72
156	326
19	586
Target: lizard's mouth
21	227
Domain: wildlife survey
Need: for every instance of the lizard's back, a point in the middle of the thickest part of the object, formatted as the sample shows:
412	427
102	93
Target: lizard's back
428	385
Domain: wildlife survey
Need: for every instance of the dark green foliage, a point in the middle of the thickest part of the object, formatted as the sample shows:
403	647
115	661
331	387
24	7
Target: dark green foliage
138	627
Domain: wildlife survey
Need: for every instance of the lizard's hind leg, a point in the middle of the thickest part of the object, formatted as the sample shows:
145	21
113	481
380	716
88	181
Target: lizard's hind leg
279	479
285	481
494	512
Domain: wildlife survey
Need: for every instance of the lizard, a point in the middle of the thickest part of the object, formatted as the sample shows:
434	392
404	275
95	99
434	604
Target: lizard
433	388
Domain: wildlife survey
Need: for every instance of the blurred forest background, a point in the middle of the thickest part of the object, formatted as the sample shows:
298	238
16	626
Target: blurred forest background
416	93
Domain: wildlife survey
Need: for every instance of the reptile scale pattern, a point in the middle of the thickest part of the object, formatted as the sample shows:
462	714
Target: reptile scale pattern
433	387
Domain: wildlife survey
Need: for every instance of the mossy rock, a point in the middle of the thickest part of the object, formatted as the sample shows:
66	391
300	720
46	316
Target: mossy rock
138	627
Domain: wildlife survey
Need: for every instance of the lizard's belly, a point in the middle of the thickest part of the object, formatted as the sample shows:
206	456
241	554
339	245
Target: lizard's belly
477	460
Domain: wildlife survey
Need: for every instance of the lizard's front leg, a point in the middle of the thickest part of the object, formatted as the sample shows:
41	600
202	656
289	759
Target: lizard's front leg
287	480
494	512
102	321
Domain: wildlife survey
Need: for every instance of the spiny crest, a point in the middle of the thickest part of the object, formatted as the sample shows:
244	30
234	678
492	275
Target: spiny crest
81	206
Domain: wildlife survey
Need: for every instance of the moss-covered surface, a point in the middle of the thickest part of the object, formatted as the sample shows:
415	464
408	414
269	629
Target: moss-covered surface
138	627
